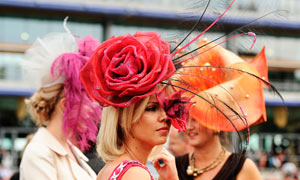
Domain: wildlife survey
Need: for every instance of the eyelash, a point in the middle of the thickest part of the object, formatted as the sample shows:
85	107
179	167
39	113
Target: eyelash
152	108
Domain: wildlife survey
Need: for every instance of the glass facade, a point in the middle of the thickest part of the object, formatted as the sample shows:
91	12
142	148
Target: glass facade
26	30
276	47
166	34
10	68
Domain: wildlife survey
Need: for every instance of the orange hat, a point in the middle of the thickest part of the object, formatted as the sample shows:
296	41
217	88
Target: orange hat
229	84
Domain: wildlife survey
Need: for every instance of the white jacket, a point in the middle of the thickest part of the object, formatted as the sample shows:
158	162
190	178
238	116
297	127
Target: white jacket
46	159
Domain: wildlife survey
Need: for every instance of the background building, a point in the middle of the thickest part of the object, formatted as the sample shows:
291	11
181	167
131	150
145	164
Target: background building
22	21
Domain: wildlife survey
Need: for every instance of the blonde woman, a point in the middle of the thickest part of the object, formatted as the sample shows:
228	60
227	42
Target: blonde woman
126	76
60	107
128	134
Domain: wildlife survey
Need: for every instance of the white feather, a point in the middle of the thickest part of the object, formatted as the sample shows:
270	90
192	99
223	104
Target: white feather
39	58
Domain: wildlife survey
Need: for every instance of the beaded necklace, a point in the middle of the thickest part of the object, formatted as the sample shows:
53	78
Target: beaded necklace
191	170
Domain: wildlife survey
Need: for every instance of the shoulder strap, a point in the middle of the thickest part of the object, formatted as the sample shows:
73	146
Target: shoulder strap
232	167
121	169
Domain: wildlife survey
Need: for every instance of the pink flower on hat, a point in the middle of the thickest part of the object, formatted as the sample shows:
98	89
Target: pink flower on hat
176	107
127	68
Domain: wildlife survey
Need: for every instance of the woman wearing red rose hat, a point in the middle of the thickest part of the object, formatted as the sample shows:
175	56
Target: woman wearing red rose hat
129	76
123	75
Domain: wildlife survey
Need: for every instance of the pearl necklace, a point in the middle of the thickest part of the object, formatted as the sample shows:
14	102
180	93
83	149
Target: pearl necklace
191	170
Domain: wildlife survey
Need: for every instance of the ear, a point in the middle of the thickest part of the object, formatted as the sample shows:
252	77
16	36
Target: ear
62	104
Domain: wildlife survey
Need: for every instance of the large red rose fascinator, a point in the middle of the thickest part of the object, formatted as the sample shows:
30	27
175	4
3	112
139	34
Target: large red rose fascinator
127	68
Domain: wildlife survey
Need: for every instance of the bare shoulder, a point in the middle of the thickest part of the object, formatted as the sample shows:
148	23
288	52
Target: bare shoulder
105	172
249	171
136	173
99	175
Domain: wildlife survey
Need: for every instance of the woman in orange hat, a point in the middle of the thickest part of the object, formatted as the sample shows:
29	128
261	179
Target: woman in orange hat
234	89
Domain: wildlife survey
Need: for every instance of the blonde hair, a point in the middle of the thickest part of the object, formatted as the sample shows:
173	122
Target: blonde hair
115	126
42	103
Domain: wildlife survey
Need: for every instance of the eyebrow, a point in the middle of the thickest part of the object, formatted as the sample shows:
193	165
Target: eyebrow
155	102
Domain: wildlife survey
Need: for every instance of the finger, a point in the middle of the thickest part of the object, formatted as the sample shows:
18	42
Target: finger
167	157
156	165
165	151
160	161
162	157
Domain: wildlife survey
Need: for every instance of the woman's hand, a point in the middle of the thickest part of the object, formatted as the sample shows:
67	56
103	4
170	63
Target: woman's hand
164	164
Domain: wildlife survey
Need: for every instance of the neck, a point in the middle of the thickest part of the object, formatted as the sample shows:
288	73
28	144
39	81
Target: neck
55	128
208	152
136	150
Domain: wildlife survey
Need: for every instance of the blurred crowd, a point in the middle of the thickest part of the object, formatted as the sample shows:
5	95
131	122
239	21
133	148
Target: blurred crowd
6	170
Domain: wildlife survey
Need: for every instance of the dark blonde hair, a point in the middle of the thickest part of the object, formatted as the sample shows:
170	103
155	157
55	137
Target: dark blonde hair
42	103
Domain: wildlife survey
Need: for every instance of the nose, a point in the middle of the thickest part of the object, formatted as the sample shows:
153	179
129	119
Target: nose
163	115
189	124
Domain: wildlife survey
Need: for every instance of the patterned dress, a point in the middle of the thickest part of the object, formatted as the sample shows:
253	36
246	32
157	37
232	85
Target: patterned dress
121	169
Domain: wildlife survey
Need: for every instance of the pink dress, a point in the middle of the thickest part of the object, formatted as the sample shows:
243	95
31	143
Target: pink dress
120	170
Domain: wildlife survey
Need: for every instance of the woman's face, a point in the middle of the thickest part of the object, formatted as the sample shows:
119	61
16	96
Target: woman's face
153	126
197	134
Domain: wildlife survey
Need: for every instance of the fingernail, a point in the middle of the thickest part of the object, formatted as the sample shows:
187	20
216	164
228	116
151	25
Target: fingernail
161	163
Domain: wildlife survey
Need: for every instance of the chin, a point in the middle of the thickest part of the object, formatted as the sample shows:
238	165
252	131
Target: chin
160	141
194	143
